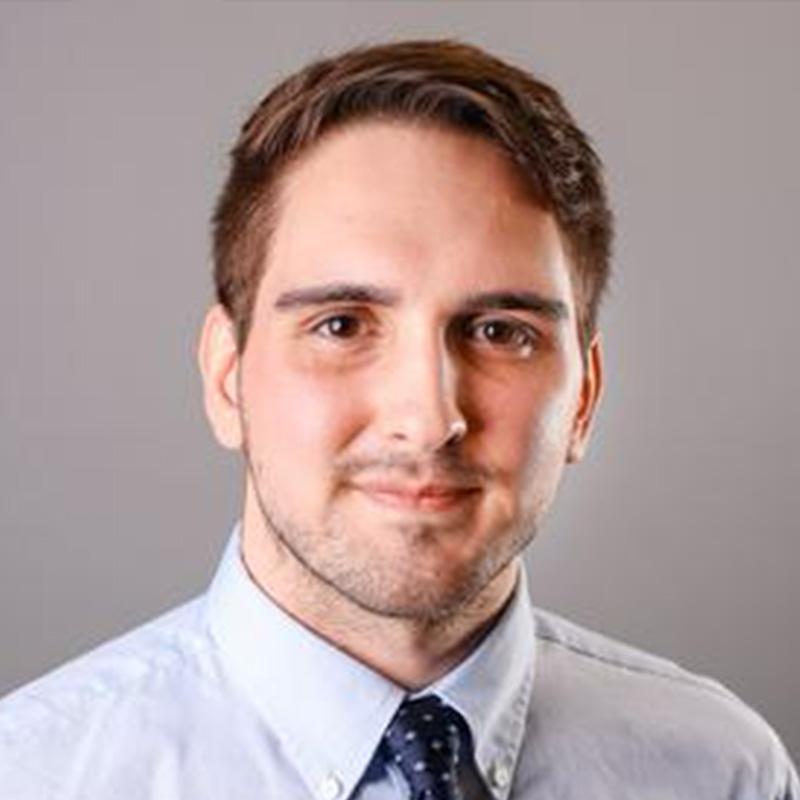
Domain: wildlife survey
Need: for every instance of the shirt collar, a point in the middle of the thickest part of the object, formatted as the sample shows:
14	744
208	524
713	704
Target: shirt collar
330	710
492	689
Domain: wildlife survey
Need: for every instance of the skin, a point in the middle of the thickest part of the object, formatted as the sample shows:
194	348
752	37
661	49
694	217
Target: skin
403	434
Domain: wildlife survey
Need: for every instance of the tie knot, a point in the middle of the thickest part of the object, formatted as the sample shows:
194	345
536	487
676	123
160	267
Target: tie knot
425	740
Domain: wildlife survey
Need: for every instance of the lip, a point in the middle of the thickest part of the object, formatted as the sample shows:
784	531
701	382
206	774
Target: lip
419	497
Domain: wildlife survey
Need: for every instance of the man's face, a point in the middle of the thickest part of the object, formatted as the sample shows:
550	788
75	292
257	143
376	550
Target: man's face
412	385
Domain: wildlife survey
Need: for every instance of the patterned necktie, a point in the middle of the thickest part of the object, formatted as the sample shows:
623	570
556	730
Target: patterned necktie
426	739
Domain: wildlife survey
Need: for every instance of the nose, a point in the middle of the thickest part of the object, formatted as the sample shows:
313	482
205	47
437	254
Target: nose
420	406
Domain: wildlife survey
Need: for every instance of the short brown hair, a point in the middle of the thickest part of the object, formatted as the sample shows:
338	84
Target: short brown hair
446	83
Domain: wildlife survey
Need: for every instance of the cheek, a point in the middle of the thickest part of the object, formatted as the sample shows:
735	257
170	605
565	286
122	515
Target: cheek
299	416
527	426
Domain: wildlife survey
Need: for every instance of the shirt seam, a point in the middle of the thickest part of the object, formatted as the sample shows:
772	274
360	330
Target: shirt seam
707	685
189	656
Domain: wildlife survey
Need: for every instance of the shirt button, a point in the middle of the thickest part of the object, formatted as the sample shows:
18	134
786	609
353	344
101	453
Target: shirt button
500	775
330	788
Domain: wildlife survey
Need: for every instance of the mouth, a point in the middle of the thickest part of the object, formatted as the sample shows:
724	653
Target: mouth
431	497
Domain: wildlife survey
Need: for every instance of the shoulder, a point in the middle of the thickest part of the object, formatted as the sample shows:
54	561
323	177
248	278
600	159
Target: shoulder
108	695
566	642
630	704
139	658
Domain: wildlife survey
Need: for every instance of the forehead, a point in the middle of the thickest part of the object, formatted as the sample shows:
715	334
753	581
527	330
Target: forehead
417	206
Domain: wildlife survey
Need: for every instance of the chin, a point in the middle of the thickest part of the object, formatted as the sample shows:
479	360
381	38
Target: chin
428	592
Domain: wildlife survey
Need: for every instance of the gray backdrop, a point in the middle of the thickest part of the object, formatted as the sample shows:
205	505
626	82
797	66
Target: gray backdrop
680	531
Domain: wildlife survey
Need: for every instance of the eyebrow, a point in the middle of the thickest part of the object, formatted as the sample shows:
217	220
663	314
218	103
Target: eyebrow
507	300
547	307
337	293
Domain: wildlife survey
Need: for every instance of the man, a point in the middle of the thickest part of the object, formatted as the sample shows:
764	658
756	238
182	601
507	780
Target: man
410	253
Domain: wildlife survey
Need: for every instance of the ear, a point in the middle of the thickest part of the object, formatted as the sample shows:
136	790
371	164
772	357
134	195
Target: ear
591	390
218	359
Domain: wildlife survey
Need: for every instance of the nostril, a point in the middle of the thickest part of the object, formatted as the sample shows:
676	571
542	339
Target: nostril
426	433
458	430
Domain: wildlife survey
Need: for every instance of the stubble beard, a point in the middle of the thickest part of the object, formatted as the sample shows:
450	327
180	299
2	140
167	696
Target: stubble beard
335	570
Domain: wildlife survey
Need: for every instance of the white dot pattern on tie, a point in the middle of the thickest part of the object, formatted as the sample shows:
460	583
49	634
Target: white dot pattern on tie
426	739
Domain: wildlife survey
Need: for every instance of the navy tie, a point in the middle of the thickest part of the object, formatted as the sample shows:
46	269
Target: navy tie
426	740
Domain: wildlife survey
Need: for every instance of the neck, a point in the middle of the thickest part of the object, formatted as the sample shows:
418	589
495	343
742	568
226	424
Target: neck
411	652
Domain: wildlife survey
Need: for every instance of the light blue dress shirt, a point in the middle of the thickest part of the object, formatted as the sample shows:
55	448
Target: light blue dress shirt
230	698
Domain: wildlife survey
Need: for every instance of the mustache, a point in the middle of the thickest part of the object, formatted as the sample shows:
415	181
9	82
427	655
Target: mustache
448	468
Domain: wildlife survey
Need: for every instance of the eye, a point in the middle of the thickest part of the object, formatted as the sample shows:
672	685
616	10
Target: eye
504	334
339	326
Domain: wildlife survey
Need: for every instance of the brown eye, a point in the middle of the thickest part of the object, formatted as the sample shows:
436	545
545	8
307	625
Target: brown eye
502	333
499	332
339	326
